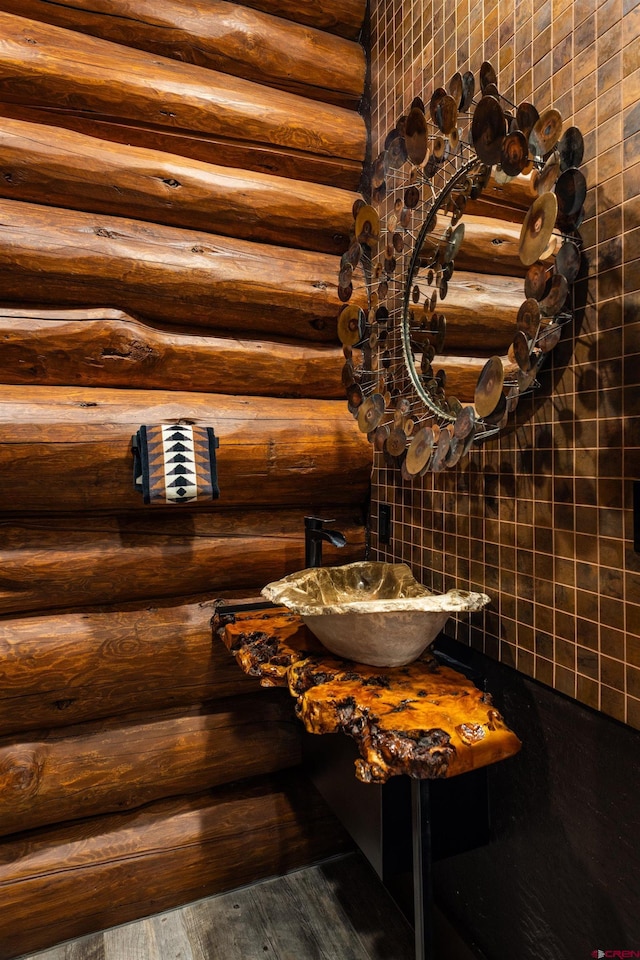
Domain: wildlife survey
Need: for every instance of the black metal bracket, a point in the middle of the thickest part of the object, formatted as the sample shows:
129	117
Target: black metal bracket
227	609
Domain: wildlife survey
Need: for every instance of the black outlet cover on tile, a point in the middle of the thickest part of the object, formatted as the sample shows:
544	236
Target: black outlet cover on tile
384	523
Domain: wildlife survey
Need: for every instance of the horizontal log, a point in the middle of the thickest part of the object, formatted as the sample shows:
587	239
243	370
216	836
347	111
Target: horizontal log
165	274
462	372
64	669
480	311
461	375
219	35
117	764
67	169
489	246
207	148
48	66
67	881
504	201
107	348
492	245
344	17
76	561
69	448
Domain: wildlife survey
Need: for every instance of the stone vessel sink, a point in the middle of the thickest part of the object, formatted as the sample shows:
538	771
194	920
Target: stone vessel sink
370	612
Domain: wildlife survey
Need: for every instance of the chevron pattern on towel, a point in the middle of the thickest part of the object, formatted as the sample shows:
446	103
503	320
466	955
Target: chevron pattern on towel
175	463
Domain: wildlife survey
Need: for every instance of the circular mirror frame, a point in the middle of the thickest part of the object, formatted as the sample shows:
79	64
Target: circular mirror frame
429	167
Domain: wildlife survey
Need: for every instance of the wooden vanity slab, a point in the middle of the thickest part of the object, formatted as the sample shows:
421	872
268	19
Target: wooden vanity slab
425	720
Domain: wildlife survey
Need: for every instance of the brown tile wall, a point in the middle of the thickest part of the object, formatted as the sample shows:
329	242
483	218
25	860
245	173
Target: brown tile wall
541	519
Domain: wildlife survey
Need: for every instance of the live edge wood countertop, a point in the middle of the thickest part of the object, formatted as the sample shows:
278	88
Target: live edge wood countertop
425	720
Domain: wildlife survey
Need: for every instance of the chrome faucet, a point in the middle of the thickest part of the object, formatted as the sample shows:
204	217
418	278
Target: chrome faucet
314	534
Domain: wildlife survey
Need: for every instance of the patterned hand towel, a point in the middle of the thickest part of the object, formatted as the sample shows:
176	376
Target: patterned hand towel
175	463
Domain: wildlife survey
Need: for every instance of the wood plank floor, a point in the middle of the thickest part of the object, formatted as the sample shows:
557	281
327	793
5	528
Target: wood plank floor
337	910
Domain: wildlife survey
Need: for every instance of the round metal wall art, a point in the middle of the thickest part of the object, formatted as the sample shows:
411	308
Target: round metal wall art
440	157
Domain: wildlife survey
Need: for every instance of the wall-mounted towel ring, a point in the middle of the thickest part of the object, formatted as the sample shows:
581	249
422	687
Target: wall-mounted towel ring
175	463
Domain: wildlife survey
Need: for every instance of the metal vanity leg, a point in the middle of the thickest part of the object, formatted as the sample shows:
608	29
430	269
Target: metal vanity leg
422	893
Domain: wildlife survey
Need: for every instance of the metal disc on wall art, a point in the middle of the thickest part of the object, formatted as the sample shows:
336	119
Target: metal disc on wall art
437	184
536	281
489	387
537	228
568	260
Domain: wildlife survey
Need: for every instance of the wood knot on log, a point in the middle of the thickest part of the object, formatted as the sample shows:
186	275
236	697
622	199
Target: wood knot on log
64	704
135	351
20	772
121	648
299	138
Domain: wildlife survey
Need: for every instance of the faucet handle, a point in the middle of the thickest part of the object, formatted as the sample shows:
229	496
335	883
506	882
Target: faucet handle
315	523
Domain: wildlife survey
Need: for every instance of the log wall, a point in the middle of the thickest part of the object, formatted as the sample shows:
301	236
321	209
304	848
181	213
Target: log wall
65	668
166	274
75	878
82	172
176	190
222	36
97	347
